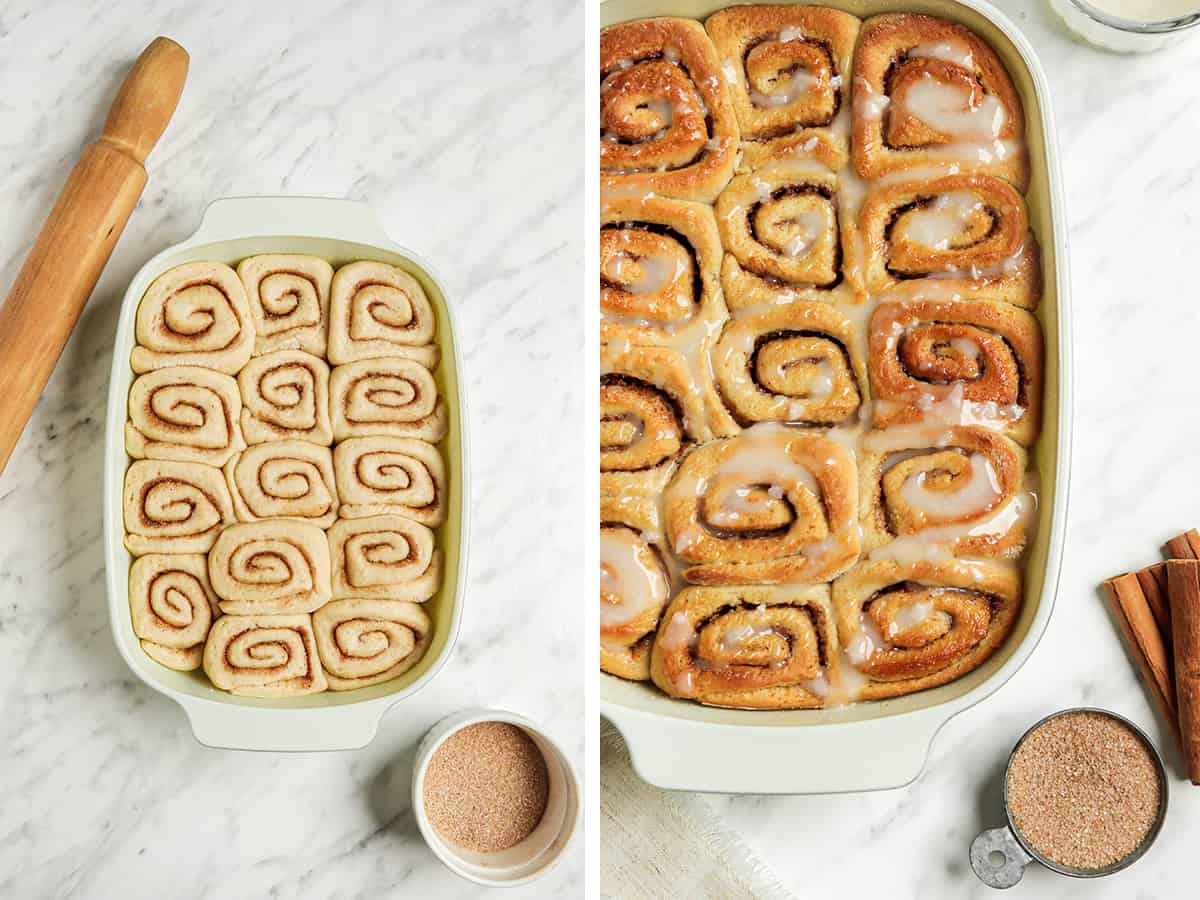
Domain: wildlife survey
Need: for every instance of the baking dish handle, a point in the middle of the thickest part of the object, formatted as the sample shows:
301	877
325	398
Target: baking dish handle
229	727
682	755
236	217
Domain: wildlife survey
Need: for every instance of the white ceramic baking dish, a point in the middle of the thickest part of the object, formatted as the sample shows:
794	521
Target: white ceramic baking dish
871	746
339	231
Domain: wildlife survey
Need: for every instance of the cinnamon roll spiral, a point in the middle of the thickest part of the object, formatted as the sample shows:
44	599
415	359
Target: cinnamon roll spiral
285	395
963	236
957	363
393	397
788	71
194	315
365	642
264	656
380	310
747	647
185	413
635	584
658	270
384	558
382	476
666	124
284	479
272	566
928	92
908	626
289	300
798	362
772	505
172	605
174	507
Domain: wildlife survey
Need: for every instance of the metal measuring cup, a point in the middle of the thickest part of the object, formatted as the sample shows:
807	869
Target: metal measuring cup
999	855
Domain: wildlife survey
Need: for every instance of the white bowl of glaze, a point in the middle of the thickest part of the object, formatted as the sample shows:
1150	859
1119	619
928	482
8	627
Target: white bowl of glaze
339	231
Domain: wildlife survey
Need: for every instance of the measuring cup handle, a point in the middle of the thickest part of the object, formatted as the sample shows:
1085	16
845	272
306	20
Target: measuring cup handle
1003	874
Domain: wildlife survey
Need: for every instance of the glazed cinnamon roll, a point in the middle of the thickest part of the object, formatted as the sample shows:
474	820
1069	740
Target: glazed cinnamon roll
788	71
935	492
666	124
393	397
174	507
747	647
264	656
908	626
172	605
955	363
284	479
365	642
774	504
380	310
185	413
635	584
268	567
962	236
658	271
289	301
194	315
379	476
927	93
798	362
285	395
384	558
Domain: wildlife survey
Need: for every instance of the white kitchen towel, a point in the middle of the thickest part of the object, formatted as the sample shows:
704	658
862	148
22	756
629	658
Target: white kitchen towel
668	845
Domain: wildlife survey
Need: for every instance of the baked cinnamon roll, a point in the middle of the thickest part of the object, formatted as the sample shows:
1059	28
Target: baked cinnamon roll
666	124
908	626
174	507
268	567
284	479
365	642
380	310
747	647
184	413
195	314
379	476
288	295
264	656
929	93
172	605
384	558
285	396
392	397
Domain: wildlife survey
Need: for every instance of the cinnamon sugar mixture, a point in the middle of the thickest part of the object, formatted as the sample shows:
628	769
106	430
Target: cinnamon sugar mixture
1084	790
486	787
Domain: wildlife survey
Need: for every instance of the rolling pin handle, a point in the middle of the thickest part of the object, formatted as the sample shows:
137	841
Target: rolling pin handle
147	98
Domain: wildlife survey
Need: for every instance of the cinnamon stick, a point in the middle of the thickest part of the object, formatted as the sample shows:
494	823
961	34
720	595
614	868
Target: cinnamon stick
1183	592
1141	629
1184	546
1153	582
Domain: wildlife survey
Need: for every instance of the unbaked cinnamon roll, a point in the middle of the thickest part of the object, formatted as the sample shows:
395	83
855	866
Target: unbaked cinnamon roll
268	567
380	310
788	71
635	584
954	363
384	558
747	647
185	413
194	315
264	656
379	476
929	93
285	395
962	236
172	605
289	301
393	397
666	124
365	642
772	505
936	492
658	271
174	507
908	626
284	479
798	362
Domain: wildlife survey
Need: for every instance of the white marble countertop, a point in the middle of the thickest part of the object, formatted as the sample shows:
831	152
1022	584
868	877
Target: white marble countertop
1128	130
461	123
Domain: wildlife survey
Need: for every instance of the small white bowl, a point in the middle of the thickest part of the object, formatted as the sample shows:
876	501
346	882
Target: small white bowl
536	854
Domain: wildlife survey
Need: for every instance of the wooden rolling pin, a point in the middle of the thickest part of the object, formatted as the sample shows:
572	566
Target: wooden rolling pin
80	233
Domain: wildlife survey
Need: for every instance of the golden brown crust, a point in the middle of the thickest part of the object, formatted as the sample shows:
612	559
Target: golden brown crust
667	125
901	56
